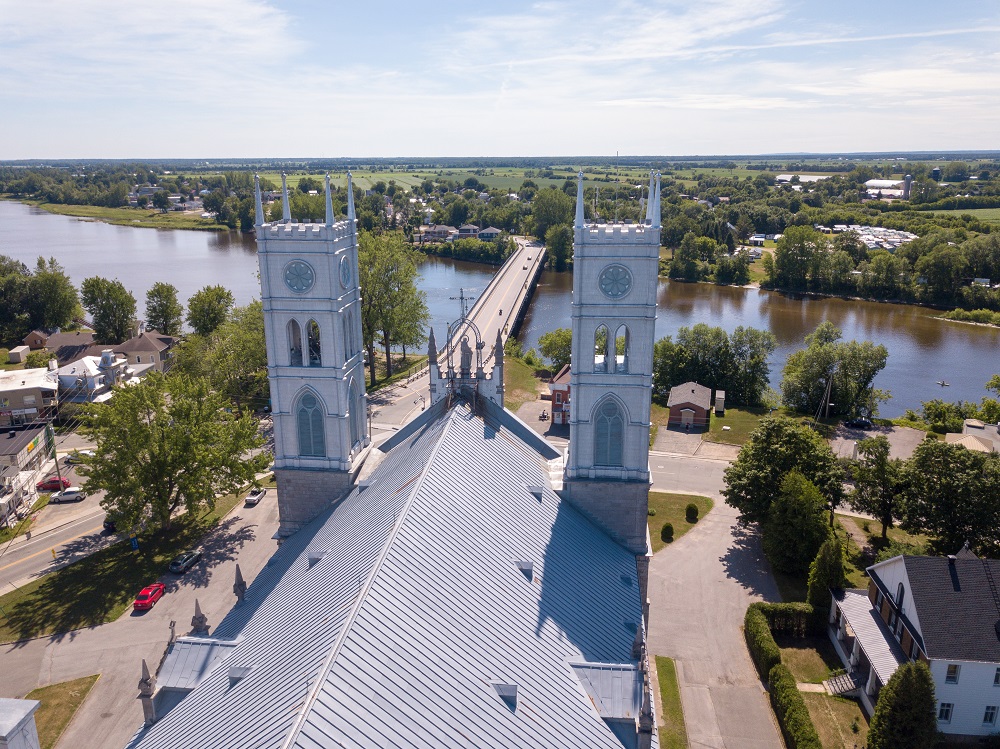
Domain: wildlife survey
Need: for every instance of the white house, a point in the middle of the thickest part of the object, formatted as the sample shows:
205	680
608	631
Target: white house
90	378
941	610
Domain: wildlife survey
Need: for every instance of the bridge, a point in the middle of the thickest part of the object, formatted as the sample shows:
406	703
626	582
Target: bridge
500	307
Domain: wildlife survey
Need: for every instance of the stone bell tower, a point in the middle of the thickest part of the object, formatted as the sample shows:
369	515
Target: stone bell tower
615	278
312	324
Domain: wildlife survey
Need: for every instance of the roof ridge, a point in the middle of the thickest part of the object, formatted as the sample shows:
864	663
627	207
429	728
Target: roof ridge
324	671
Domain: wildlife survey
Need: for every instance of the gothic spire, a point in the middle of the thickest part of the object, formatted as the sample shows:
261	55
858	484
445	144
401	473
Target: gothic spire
432	352
286	209
329	202
259	218
649	198
655	204
579	201
498	350
350	199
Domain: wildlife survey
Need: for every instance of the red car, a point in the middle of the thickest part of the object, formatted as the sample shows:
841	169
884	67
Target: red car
52	484
148	596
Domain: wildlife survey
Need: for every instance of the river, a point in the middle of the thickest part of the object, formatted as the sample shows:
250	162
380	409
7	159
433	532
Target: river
922	349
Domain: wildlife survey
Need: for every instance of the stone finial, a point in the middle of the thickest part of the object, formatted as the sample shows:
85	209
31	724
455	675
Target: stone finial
286	208
638	644
498	349
655	204
147	687
259	215
199	622
432	352
240	586
579	201
350	199
649	199
329	203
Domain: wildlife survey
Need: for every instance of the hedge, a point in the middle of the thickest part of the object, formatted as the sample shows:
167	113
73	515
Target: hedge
763	649
787	618
790	710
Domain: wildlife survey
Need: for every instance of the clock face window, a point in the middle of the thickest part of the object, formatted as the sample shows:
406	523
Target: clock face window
615	281
299	276
345	271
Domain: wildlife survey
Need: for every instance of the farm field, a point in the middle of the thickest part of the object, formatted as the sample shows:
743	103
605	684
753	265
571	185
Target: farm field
990	215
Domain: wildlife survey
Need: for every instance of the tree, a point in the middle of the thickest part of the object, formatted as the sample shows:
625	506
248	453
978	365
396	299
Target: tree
825	573
235	358
161	201
549	208
878	483
559	245
167	443
943	269
795	528
54	302
904	715
686	261
951	495
209	308
38	359
557	346
163	311
750	349
777	446
794	254
15	295
111	306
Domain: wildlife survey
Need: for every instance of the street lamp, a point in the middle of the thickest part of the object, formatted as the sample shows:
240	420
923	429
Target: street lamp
423	402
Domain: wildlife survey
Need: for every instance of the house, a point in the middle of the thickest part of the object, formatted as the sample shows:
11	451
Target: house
436	232
148	348
944	611
90	378
65	346
757	240
489	234
559	388
972	442
22	454
468	231
27	395
985	432
689	405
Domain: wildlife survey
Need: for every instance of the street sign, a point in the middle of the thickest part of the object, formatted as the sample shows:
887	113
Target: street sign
135	543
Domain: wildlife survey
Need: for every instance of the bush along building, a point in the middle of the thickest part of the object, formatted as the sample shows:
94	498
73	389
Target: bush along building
457	585
941	610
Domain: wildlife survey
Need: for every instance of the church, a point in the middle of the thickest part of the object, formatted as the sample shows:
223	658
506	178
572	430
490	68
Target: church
463	583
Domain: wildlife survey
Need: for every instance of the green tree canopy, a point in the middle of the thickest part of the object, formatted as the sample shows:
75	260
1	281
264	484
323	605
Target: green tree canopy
235	359
878	483
161	200
54	302
904	715
550	207
163	311
796	527
209	308
777	446
167	443
559	245
557	346
825	573
111	306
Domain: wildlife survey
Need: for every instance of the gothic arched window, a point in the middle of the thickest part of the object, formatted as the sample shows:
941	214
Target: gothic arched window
309	423
899	597
621	348
356	415
609	433
601	349
295	343
315	348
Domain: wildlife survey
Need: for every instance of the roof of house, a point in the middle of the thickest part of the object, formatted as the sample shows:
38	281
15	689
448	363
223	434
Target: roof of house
28	379
14	441
451	599
955	604
875	638
491	230
690	392
562	377
970	442
146	341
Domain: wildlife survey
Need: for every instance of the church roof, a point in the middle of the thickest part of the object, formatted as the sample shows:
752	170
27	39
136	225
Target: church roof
451	599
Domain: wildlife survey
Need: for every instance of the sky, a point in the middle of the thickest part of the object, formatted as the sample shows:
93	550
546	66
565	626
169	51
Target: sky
312	78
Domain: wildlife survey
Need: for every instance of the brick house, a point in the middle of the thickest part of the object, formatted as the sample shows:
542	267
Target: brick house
689	405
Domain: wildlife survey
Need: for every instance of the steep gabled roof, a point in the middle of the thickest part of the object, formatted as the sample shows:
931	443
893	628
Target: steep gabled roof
404	617
690	392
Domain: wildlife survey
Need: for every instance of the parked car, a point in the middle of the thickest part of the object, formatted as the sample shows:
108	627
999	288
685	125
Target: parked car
184	562
51	484
860	423
148	596
80	456
109	525
255	496
69	494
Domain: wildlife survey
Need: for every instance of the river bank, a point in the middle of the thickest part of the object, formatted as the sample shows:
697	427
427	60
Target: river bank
140	218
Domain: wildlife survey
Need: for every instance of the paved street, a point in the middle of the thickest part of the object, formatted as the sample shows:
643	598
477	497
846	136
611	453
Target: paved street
111	714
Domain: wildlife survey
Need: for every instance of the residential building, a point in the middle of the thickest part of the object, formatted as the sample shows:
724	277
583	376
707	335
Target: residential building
437	233
90	379
689	405
148	348
559	389
23	452
27	395
489	234
944	611
468	231
986	432
65	346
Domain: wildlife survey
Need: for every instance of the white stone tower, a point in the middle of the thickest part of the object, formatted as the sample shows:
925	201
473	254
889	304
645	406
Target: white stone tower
615	276
312	323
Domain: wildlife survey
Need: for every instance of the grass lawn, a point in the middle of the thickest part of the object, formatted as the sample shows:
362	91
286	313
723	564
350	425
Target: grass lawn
810	659
673	735
520	383
669	508
659	416
6	534
59	704
835	719
100	588
989	215
402	369
741	421
141	217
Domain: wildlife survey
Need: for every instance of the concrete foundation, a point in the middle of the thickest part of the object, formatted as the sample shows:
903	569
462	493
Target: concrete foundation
619	507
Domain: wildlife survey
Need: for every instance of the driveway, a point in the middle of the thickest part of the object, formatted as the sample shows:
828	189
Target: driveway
902	440
111	714
699	589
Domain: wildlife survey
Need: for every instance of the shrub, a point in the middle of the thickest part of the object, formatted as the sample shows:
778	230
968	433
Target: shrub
667	534
788	618
763	649
651	511
691	513
790	710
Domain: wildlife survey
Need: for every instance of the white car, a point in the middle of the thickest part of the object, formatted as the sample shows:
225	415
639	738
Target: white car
255	496
70	494
79	456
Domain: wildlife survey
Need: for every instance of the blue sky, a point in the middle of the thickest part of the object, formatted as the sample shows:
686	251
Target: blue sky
105	78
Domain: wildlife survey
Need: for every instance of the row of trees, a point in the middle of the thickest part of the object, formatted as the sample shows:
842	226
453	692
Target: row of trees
42	298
